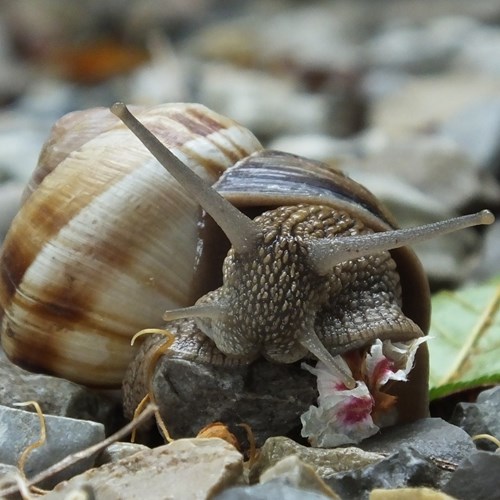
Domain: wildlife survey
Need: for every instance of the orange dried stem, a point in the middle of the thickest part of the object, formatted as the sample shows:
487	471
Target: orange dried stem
149	397
252	452
488	437
21	464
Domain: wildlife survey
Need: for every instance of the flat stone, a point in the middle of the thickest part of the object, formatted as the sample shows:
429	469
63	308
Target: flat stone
186	468
273	490
480	417
292	471
477	477
57	396
19	429
432	437
405	467
269	397
477	130
326	462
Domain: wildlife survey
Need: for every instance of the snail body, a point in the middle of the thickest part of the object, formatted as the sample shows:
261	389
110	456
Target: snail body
90	261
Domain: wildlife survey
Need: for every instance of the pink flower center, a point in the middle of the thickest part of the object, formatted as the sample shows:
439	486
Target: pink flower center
355	410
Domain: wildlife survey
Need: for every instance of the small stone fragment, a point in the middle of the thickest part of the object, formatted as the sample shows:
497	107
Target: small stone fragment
116	451
19	429
57	396
406	467
324	461
273	490
480	417
409	494
187	468
477	477
432	437
296	473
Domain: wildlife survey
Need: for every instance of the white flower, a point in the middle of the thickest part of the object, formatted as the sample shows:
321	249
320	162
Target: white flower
350	415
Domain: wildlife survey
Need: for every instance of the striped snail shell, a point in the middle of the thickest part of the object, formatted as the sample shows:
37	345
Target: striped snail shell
106	240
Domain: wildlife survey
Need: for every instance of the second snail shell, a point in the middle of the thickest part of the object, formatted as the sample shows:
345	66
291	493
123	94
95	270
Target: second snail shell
105	241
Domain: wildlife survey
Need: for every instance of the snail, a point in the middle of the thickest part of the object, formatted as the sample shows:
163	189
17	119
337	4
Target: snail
106	240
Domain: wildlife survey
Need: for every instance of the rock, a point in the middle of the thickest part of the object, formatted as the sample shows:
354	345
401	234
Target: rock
273	490
293	472
269	397
116	451
409	494
57	396
477	477
407	46
431	437
10	197
480	417
435	166
265	104
476	129
477	55
9	476
187	468
405	467
489	262
421	104
324	461
19	429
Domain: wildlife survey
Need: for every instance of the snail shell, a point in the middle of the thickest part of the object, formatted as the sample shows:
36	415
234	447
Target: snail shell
105	240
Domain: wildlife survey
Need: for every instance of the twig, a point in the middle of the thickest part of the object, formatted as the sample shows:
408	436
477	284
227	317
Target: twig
80	455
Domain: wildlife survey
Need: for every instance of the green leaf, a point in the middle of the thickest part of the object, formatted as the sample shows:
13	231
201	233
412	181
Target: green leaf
465	344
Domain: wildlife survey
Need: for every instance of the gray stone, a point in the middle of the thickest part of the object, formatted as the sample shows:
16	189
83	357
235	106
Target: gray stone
10	196
432	437
19	429
480	417
489	262
268	397
406	467
326	462
274	490
477	477
9	476
293	472
476	129
186	468
57	396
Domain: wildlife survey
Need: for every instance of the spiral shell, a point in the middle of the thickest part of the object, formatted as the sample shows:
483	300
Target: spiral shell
106	240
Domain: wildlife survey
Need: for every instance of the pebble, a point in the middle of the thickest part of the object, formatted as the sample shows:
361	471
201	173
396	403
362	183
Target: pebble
273	490
405	467
57	396
187	469
431	437
476	129
10	198
477	477
326	462
480	417
19	429
292	471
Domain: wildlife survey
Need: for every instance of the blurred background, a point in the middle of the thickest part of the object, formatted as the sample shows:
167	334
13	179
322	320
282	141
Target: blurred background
403	95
